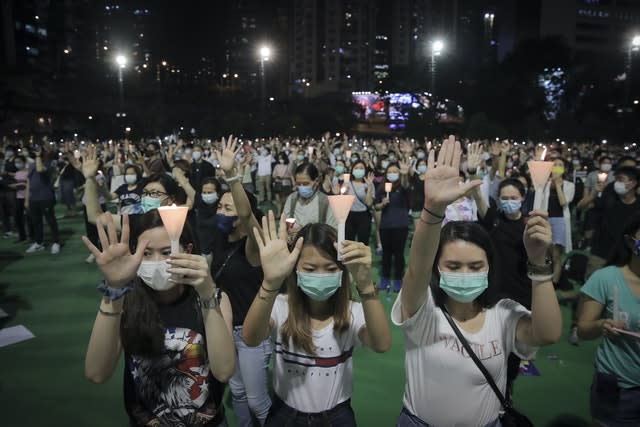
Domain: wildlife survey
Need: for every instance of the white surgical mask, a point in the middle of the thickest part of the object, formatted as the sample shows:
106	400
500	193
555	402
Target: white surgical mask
130	179
155	275
620	188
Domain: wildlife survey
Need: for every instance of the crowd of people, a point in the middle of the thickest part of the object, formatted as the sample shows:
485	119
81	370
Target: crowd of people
259	278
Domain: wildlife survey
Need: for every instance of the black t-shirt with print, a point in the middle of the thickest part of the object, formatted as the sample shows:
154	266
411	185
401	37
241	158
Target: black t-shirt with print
177	388
130	198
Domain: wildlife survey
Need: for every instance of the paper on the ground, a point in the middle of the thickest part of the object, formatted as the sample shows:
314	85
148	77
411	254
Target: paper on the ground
3	314
14	334
622	331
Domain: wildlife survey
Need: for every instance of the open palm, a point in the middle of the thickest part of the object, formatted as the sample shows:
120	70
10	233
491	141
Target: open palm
227	157
441	182
118	265
90	162
277	262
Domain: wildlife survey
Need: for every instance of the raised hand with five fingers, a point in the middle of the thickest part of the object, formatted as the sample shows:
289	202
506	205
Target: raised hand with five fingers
276	259
474	157
227	155
116	262
441	182
90	162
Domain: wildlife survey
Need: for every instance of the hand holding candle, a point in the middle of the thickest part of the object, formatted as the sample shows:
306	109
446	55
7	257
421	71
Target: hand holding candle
340	206
387	188
540	172
602	177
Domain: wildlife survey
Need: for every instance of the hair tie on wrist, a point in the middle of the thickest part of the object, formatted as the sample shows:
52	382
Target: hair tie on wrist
431	213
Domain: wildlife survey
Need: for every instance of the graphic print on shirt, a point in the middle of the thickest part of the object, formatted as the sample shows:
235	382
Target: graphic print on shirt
175	385
307	361
486	351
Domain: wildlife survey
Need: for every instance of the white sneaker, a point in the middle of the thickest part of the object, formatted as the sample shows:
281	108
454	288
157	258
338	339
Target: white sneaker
55	248
90	259
573	336
36	247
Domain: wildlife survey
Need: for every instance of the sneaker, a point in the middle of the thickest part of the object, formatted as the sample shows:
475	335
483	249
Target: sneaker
10	234
397	285
573	336
384	284
90	259
55	248
36	247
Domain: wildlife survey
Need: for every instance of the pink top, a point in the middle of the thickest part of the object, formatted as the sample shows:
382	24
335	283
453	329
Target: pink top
21	178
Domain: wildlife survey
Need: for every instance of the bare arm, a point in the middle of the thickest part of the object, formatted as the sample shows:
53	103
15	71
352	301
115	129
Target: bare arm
218	327
105	346
590	323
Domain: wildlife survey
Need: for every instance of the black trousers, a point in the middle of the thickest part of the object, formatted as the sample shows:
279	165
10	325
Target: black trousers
8	208
358	227
23	219
39	209
393	243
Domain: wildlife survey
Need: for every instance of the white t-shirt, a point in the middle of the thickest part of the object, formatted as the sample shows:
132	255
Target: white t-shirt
315	383
443	386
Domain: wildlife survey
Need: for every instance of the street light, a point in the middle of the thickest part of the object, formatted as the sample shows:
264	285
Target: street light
437	46
121	61
265	55
634	46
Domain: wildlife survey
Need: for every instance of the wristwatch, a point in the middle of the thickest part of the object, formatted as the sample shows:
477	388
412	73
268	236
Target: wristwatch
541	270
214	301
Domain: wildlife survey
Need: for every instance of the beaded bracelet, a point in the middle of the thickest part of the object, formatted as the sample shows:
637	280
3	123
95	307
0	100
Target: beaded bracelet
114	293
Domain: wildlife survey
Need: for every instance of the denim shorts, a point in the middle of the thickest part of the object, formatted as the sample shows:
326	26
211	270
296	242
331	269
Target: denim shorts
612	405
282	415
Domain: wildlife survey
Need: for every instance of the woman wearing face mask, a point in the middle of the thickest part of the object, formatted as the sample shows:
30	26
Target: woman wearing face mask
416	189
173	323
206	208
452	269
557	195
315	325
158	190
282	179
394	224
236	269
129	194
308	204
358	226
610	309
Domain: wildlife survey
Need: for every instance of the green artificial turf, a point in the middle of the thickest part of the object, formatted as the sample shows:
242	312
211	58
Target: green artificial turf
42	382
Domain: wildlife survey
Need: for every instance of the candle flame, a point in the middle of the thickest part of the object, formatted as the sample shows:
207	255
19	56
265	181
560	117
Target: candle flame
343	190
544	153
173	205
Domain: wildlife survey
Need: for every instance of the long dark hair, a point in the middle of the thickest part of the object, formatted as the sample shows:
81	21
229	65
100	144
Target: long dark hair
298	323
141	329
621	255
473	233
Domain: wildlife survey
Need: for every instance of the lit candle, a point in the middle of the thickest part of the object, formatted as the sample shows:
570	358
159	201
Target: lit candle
602	177
290	223
540	173
340	206
346	178
173	218
310	151
387	188
348	154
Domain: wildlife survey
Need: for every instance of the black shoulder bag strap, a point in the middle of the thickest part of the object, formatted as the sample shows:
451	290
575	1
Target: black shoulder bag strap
505	404
226	261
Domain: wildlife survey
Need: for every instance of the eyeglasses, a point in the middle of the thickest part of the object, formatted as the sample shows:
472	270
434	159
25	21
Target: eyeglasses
154	193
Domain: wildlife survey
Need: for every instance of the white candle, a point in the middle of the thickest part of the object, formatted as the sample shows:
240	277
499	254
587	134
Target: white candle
348	154
346	178
387	188
173	218
602	177
340	206
540	173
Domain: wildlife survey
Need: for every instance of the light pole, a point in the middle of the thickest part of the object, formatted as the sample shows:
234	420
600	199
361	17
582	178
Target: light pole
436	50
634	45
121	61
265	54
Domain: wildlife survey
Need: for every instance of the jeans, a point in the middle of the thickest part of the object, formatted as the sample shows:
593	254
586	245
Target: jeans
249	389
406	419
38	209
614	406
282	415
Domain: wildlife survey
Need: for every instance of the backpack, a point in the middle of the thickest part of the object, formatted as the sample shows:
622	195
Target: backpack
324	206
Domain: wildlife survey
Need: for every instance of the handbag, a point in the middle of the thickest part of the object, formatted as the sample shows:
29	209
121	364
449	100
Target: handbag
509	416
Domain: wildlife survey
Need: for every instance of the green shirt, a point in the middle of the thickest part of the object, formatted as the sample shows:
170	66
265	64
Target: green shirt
619	356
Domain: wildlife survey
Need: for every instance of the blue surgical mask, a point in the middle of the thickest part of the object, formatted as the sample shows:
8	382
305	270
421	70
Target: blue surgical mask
422	169
358	173
300	157
393	177
210	198
149	203
196	155
384	164
421	154
510	207
464	287
319	286
339	169
305	191
225	223
19	166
